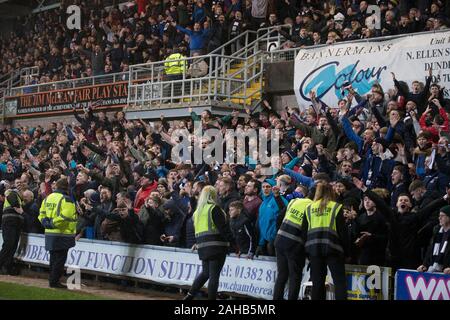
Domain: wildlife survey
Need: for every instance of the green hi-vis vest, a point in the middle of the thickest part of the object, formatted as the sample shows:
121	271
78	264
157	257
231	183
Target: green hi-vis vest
172	66
206	232
292	222
322	234
62	212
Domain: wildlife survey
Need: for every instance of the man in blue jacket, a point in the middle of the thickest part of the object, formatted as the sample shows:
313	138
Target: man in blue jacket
197	37
273	203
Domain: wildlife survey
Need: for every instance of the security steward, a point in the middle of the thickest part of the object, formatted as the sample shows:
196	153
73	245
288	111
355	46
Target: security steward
174	69
290	250
173	66
213	237
12	224
58	216
325	242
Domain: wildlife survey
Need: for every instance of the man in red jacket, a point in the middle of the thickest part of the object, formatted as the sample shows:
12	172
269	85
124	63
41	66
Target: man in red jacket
148	184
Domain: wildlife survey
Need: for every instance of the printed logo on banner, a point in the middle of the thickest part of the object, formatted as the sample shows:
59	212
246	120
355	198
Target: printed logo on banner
364	285
326	78
413	285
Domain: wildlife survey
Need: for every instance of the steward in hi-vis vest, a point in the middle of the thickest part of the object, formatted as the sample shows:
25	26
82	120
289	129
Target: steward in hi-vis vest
326	242
213	237
59	217
290	252
12	224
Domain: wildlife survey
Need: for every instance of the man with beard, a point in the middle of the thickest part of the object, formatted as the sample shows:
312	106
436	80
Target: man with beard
251	200
227	194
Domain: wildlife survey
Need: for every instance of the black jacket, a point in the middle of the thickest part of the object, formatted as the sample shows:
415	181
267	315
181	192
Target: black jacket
373	250
225	201
243	233
429	256
152	220
403	238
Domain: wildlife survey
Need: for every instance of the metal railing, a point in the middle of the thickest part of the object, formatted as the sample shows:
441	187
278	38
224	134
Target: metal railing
70	84
227	78
148	84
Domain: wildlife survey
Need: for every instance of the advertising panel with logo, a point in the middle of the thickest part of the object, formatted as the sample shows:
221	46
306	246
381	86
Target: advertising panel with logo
413	285
327	70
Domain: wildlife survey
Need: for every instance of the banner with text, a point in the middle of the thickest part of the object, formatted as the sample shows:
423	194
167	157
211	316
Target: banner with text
255	278
111	94
326	69
413	285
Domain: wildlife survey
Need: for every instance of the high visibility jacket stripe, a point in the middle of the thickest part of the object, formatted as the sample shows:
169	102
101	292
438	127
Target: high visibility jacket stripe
12	215
316	230
49	232
213	243
294	225
290	236
327	242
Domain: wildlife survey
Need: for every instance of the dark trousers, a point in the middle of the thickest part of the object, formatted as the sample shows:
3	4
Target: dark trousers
210	270
11	235
290	265
319	273
57	261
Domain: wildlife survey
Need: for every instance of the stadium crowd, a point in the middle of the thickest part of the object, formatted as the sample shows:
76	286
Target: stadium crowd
386	154
150	30
388	159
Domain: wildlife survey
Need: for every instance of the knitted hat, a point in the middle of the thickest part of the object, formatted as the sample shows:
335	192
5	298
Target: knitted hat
446	210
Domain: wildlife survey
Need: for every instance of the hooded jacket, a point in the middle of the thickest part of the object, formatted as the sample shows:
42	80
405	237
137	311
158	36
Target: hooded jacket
267	217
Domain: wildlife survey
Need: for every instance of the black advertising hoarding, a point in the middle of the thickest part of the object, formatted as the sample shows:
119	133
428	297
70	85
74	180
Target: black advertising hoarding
107	95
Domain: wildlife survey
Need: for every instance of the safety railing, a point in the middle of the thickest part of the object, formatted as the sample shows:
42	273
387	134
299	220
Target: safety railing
70	84
149	83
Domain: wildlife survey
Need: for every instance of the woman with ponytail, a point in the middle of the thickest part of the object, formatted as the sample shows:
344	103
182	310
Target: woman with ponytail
213	237
324	226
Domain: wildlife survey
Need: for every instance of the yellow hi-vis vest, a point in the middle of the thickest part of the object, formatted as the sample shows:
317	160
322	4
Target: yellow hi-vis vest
292	222
172	66
7	205
322	236
62	213
206	232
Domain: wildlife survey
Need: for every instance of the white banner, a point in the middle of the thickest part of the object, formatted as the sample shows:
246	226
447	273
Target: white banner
174	266
325	69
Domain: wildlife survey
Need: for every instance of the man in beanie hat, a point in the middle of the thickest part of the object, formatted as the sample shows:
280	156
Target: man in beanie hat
59	218
437	258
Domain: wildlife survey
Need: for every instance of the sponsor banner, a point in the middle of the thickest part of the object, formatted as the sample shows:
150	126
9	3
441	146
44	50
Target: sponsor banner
111	94
173	266
368	284
325	69
413	285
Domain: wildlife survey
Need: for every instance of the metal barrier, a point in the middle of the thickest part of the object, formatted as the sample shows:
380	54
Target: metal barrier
148	84
68	84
